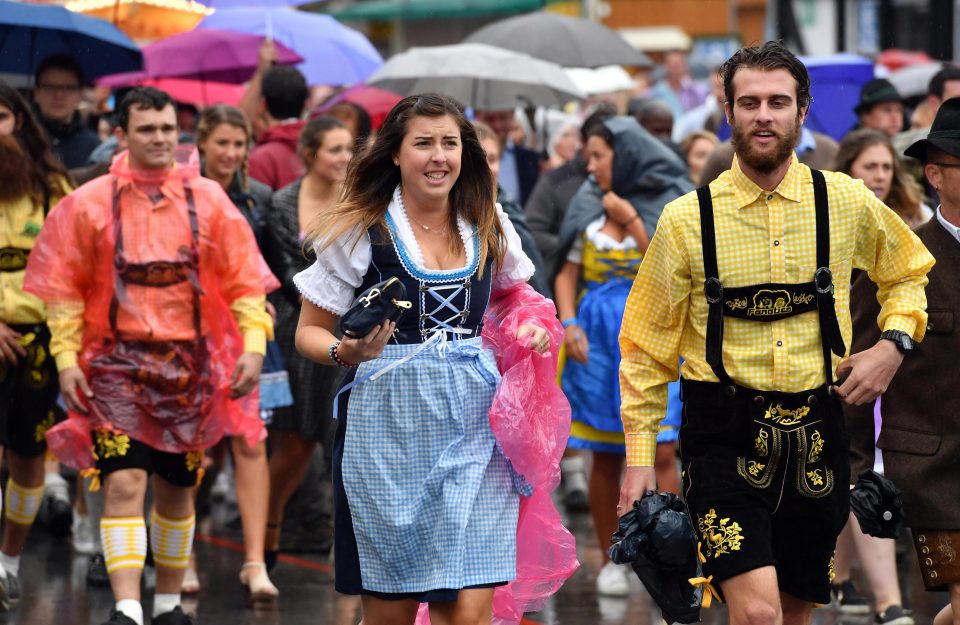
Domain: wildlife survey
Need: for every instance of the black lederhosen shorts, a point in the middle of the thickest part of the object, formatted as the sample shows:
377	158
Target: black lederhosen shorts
114	452
765	478
28	394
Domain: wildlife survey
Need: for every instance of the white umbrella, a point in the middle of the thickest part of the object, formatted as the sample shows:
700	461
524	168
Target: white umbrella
600	80
914	79
480	76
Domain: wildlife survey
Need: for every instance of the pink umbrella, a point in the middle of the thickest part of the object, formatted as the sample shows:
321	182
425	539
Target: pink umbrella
376	102
200	93
210	55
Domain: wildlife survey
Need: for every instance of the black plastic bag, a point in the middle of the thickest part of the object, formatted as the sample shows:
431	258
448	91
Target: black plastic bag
875	502
656	538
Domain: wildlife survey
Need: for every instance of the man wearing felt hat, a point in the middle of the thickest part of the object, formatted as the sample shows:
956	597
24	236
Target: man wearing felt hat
921	408
880	107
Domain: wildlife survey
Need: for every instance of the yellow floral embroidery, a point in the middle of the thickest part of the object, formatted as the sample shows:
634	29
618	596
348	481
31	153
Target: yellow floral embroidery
110	445
816	447
737	303
755	468
815	478
722	536
41	430
831	572
761	444
193	459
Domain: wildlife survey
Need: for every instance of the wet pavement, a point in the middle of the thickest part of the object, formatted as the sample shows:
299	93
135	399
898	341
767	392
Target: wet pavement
55	591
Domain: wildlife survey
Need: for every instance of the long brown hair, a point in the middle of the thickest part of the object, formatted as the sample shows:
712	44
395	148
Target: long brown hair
224	114
373	176
46	173
905	193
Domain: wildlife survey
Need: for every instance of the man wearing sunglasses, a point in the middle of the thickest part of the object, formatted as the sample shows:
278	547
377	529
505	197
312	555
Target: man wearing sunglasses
57	94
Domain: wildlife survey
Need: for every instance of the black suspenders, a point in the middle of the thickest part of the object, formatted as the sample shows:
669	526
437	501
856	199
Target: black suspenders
830	335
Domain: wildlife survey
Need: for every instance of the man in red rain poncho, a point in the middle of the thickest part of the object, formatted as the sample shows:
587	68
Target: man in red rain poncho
156	297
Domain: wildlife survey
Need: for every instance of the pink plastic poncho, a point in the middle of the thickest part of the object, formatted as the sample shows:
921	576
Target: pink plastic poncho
530	418
73	261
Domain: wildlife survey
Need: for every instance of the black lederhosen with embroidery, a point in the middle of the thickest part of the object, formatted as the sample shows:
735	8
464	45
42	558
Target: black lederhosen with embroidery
28	389
165	373
765	473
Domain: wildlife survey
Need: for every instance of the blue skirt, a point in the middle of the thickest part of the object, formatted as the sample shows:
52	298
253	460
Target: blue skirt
594	388
425	504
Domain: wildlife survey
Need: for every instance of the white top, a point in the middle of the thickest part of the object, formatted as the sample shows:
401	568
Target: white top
331	281
601	240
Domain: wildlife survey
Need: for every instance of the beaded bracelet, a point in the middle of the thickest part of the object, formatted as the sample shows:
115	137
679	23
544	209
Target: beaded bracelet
335	357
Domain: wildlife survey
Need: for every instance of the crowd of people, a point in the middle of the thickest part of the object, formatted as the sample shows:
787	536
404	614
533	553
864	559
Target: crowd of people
180	298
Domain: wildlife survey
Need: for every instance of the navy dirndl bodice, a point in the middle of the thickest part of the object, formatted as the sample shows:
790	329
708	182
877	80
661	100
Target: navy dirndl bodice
453	301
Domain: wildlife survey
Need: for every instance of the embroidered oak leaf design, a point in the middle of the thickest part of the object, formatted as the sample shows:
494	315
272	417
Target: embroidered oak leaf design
815	478
112	445
722	536
816	447
193	459
760	444
41	430
755	468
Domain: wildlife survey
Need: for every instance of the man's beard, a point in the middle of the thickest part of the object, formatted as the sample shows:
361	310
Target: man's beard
764	162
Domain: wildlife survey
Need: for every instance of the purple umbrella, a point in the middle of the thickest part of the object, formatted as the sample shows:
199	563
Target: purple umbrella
336	55
212	55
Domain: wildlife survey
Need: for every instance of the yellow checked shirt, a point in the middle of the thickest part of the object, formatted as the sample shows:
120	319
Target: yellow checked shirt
20	223
761	238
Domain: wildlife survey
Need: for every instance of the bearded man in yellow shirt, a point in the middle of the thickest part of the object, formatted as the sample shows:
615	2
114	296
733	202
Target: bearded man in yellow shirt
748	281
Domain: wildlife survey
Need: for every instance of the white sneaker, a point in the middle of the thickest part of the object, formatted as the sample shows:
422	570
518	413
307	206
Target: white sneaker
83	535
613	581
222	486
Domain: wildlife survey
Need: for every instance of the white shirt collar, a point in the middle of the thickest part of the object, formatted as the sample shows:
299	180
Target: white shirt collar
953	230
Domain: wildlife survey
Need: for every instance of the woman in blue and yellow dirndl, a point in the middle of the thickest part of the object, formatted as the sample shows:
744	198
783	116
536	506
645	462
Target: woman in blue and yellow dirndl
591	290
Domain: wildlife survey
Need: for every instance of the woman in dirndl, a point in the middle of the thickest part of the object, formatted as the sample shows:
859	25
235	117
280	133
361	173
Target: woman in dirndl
425	502
591	291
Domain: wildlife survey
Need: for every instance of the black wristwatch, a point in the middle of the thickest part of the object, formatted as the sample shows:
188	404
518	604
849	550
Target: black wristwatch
901	339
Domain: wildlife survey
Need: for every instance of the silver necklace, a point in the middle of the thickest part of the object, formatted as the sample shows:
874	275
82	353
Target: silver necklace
426	228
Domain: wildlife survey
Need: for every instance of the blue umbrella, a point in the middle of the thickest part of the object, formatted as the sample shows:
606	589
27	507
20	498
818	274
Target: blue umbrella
835	83
336	55
30	33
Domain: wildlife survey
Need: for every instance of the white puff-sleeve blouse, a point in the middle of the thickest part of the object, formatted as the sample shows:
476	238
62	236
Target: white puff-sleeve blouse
331	281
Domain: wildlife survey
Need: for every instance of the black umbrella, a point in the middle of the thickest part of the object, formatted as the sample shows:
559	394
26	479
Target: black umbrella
875	502
656	538
566	41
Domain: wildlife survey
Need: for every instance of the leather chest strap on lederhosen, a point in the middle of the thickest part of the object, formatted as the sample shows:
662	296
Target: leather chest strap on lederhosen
13	259
770	302
156	273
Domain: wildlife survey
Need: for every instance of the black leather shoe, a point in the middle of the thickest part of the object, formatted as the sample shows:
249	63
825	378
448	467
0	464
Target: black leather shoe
174	617
119	618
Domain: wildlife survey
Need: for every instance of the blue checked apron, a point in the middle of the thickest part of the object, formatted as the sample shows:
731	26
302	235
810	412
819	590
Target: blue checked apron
432	500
